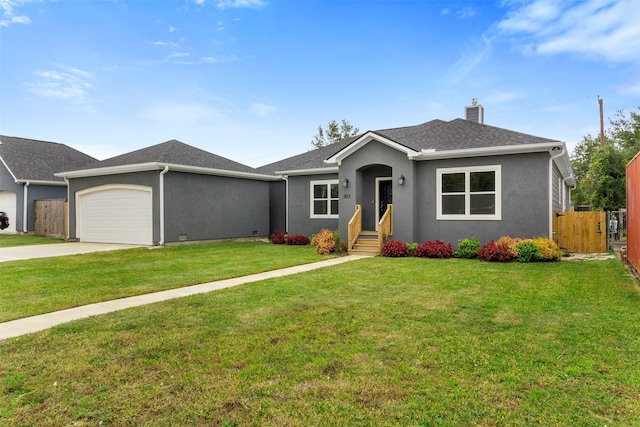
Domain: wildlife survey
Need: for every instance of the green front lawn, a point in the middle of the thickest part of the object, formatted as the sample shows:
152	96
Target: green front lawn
49	284
375	342
9	240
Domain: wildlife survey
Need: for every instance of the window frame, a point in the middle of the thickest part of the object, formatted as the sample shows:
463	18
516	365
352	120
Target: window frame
467	216
329	199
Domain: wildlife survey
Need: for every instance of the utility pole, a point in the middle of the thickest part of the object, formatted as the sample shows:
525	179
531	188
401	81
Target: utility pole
600	101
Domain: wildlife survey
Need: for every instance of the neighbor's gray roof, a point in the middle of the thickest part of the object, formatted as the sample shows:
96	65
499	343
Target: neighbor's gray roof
438	135
33	160
176	153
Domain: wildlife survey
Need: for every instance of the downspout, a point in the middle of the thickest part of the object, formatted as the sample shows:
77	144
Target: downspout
68	203
286	201
25	205
551	159
164	171
564	199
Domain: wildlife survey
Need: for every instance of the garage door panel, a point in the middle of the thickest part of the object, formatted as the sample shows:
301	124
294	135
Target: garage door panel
8	205
117	215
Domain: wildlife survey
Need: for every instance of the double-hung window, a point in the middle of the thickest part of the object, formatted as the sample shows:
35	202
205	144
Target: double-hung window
324	199
472	193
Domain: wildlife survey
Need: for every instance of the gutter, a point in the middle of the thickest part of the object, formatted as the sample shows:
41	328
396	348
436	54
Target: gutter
162	174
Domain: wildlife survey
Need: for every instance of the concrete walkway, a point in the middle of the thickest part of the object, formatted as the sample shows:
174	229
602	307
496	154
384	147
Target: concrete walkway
41	322
15	253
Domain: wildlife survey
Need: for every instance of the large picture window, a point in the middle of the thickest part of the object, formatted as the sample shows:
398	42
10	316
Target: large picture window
469	193
324	199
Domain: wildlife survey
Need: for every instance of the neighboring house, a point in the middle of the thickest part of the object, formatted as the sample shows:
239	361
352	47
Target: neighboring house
27	170
446	180
169	192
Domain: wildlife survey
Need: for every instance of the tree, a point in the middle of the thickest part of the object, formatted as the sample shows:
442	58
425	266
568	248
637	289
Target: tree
600	171
335	132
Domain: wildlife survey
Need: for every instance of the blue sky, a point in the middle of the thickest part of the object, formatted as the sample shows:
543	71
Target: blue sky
251	80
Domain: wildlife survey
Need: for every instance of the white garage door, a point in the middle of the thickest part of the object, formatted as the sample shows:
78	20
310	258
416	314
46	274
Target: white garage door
115	214
8	205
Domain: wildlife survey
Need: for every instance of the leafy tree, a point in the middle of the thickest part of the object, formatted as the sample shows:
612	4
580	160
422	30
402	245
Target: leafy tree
335	132
600	171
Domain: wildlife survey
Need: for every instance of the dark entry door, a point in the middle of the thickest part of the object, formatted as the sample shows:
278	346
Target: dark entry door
385	196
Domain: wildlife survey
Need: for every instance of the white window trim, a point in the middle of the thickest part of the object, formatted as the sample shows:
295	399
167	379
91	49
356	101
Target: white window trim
467	216
328	183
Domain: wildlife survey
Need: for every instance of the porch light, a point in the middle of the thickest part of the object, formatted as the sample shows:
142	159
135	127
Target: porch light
345	183
401	180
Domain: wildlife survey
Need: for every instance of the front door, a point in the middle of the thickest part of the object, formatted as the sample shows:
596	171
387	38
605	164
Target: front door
384	196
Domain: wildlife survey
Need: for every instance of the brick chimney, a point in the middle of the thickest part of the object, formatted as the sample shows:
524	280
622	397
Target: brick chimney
474	112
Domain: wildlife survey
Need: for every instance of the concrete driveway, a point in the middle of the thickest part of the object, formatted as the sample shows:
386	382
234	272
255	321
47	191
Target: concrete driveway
58	249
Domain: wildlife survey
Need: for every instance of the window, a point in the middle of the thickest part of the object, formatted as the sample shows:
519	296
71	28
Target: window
324	199
469	193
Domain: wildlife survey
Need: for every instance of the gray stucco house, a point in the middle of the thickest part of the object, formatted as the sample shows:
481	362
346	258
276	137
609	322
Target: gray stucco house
27	169
169	192
443	180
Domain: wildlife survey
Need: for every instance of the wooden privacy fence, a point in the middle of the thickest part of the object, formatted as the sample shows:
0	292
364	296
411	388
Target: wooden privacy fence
52	218
583	232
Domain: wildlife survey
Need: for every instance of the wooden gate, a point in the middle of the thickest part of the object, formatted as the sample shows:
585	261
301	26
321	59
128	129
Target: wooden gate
51	218
583	232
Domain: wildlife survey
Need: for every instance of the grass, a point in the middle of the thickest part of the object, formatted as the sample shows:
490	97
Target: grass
44	285
10	240
383	342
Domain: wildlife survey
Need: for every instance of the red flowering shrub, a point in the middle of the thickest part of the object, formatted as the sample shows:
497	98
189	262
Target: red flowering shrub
279	237
394	248
324	242
497	252
298	239
435	249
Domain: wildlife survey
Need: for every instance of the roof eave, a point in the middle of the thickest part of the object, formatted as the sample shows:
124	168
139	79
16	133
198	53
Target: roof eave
314	171
362	141
487	151
145	167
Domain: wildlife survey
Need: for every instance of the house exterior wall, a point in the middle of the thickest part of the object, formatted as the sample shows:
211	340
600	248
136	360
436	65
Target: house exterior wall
361	167
525	200
206	207
277	206
149	179
40	192
299	219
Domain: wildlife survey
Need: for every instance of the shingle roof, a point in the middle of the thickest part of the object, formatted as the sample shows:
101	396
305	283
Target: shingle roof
177	153
438	135
33	160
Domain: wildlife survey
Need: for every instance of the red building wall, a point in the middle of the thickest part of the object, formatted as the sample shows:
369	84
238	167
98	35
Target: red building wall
633	212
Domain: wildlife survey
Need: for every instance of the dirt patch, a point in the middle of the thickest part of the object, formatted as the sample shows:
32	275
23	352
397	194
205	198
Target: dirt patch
588	257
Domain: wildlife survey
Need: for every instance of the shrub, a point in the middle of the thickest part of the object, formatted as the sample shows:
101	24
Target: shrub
528	251
548	249
467	248
435	249
412	248
511	242
394	248
278	237
324	242
298	239
495	252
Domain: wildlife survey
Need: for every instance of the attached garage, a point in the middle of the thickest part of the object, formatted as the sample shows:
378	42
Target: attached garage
115	214
8	205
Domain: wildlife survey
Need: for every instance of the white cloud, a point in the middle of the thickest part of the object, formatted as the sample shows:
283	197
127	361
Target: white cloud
9	17
68	83
262	110
251	4
502	97
469	61
465	13
594	29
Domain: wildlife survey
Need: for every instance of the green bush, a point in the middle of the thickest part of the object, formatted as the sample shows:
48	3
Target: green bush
528	251
467	248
